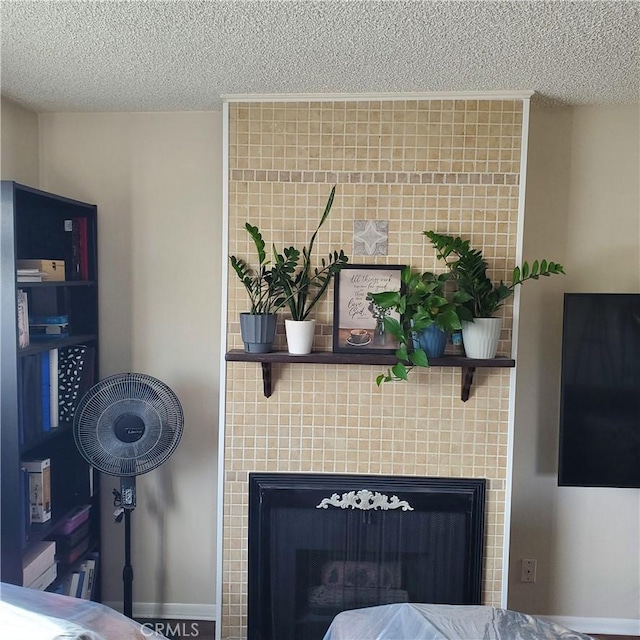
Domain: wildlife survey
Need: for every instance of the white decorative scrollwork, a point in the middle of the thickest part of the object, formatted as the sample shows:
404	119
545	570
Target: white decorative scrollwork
365	500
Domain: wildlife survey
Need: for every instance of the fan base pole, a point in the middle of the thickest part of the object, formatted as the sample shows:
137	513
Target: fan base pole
127	571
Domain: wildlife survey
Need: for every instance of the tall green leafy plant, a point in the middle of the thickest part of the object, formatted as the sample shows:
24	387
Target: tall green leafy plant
302	284
265	294
469	269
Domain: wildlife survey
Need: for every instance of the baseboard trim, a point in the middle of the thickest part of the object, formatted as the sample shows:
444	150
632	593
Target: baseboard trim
607	626
169	610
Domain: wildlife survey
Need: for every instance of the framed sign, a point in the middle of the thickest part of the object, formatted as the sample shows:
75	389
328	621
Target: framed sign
358	324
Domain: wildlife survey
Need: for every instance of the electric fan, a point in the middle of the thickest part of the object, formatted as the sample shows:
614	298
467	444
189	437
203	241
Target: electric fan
124	426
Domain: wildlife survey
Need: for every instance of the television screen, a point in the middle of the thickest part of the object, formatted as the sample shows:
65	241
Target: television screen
600	391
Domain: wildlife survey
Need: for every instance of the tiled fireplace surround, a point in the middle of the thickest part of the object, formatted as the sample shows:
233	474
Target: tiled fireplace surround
448	165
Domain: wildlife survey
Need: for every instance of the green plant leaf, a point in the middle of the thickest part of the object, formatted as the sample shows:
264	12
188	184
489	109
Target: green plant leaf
302	283
516	277
385	299
535	267
393	327
419	358
256	236
449	320
401	353
399	371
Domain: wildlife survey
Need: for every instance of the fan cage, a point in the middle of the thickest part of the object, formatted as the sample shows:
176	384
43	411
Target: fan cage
133	394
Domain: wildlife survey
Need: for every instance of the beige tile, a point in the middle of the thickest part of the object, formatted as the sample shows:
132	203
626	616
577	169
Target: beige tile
443	164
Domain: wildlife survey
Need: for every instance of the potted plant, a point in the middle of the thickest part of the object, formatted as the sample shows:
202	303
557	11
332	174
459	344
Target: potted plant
427	317
303	285
258	326
481	297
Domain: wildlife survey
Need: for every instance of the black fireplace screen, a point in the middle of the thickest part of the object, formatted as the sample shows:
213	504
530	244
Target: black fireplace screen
320	544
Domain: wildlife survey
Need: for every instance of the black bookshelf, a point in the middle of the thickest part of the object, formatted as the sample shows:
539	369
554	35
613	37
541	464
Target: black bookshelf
37	225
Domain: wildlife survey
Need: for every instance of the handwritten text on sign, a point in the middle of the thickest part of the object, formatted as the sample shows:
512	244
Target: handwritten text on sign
355	285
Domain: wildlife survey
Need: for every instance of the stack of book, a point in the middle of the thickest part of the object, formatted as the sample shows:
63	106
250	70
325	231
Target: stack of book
48	327
39	568
48	270
72	539
81	583
51	384
39	384
29	275
72	536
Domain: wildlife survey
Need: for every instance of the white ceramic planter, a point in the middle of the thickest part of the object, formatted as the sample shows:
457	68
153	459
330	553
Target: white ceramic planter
481	337
299	335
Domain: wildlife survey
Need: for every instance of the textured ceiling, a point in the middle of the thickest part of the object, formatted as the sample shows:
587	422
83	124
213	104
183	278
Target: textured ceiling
183	55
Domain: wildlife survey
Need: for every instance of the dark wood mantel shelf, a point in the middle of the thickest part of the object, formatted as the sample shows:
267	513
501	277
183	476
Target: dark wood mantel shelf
468	366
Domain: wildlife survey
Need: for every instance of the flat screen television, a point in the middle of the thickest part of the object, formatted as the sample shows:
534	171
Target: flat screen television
600	391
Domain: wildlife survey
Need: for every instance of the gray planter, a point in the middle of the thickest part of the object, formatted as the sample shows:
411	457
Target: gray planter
258	331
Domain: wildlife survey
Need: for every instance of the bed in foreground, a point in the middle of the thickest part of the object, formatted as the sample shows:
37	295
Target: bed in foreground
443	622
39	615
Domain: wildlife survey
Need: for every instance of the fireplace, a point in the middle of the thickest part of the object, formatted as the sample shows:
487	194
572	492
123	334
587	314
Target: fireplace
323	543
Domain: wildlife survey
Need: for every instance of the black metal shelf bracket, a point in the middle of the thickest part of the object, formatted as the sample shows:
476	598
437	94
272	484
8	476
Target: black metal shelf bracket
266	379
467	382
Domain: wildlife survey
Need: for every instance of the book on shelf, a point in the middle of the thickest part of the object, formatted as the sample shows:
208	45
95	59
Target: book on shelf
69	587
29	275
80	256
53	389
23	319
79	587
70	556
39	488
49	327
72	521
45	393
72	535
36	560
65	542
74	270
89	566
38	389
45	578
49	320
30	403
81	582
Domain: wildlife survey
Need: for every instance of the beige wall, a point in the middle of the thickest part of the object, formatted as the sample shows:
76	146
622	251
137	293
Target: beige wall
582	207
19	146
156	180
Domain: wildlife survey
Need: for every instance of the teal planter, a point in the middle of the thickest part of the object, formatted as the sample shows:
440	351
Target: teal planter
433	341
